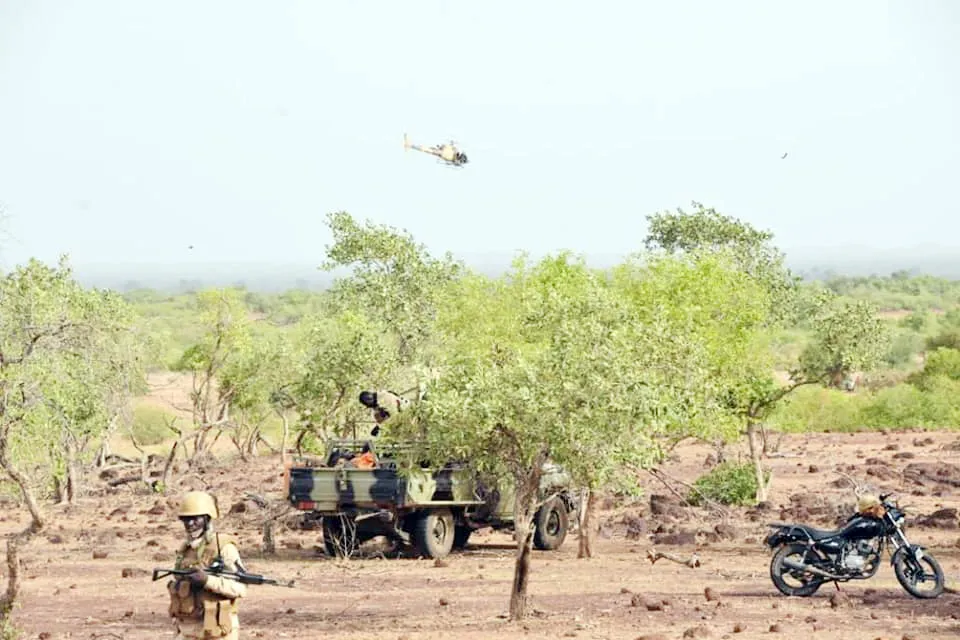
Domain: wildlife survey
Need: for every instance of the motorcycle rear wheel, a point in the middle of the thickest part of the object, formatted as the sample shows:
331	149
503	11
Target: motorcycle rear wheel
906	567
809	583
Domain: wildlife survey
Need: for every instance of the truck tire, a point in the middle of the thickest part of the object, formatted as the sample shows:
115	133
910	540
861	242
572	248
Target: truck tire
339	541
433	533
551	525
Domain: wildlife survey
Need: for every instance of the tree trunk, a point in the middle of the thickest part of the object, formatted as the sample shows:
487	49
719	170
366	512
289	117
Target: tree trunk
585	536
8	600
527	484
757	460
73	476
59	490
521	571
269	546
284	457
252	441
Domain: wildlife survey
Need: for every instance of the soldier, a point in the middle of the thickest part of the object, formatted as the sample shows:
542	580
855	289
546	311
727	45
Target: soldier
204	605
383	403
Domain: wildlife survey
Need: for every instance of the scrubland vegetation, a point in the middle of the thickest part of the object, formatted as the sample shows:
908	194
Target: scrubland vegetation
704	334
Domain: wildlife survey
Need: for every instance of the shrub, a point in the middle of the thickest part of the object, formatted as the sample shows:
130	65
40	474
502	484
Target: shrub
150	424
727	483
818	409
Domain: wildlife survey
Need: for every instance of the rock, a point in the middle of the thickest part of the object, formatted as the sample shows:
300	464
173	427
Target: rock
680	538
710	595
133	572
238	507
666	506
775	628
813	469
726	531
440	563
700	631
650	604
839	599
99	555
739	627
904	455
55	539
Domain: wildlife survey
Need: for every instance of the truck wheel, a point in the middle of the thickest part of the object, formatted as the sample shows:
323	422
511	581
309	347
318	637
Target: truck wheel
433	533
551	525
339	541
460	536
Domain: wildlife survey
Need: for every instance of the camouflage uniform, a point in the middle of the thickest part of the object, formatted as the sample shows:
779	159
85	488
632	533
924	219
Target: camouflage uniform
391	402
209	611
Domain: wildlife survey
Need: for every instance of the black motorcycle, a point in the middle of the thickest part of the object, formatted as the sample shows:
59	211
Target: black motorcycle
809	557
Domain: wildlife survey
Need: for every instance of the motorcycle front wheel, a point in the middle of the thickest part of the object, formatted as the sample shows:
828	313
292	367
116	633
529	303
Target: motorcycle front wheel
801	584
912	572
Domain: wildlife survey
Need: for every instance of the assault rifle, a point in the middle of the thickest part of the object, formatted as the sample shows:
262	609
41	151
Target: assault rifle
217	569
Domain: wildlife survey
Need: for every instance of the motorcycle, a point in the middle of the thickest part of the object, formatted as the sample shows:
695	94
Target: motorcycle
812	557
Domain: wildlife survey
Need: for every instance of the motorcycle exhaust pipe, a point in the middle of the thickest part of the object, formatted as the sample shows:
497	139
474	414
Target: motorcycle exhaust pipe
800	566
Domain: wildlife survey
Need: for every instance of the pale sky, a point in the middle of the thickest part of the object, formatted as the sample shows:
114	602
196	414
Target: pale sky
130	130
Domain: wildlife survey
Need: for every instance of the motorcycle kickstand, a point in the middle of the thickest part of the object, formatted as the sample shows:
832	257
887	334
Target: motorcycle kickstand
837	585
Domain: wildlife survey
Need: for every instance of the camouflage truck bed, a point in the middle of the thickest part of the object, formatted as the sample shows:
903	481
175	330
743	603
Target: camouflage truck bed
338	489
434	510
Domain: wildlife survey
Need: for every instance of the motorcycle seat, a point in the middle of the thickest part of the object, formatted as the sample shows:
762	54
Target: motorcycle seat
814	533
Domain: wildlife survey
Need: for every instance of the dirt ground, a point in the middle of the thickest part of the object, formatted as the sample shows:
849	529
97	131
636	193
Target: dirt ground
69	591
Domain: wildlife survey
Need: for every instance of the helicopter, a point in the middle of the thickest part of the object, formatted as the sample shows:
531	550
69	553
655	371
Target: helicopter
448	152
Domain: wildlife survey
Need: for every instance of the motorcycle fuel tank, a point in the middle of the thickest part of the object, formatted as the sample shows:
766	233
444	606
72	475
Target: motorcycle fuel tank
856	529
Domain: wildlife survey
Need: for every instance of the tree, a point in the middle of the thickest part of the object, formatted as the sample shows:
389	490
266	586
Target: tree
705	230
57	377
847	335
337	356
547	363
250	380
393	279
226	335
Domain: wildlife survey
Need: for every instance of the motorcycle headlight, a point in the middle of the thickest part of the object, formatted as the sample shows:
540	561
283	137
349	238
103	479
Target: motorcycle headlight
900	520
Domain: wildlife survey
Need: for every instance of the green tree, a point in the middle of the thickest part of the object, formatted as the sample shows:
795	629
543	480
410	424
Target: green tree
336	357
58	376
250	381
393	279
545	364
847	335
226	337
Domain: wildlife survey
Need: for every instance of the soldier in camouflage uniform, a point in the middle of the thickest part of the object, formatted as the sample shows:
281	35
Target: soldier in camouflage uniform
384	404
204	606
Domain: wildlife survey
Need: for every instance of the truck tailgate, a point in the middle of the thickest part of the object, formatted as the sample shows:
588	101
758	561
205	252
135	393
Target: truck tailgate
326	489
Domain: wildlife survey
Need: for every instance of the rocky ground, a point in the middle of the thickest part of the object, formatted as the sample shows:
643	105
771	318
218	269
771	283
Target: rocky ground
88	575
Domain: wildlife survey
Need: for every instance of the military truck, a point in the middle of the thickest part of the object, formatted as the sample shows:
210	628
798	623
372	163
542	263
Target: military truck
431	510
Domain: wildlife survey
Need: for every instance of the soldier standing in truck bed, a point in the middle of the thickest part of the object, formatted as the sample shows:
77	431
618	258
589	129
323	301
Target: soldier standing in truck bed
384	404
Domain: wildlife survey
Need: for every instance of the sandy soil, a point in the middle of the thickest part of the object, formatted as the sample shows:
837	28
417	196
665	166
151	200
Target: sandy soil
70	593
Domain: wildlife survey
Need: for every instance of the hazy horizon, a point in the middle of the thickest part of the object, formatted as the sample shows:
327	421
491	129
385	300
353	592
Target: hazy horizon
131	132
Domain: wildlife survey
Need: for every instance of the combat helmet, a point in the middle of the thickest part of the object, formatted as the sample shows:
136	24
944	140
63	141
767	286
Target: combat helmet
198	503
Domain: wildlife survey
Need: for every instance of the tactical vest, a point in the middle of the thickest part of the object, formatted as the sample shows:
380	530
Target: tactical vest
195	604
